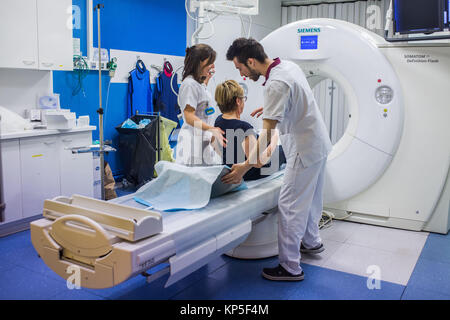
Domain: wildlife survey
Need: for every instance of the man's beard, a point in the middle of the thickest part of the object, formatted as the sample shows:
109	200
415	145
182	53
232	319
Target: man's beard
254	75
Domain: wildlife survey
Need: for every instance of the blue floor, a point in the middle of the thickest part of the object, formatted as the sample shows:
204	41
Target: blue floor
25	276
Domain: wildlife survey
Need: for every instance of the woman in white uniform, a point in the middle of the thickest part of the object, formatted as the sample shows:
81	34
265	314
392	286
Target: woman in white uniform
194	145
290	106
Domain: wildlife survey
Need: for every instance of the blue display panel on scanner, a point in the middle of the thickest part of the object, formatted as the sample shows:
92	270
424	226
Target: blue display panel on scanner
308	42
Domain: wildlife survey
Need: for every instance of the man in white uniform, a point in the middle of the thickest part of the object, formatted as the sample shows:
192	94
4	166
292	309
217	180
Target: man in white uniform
290	106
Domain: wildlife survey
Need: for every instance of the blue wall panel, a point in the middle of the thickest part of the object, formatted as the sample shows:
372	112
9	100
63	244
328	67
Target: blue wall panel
135	25
157	26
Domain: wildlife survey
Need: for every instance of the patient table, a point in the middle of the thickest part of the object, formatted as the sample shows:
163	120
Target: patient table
110	242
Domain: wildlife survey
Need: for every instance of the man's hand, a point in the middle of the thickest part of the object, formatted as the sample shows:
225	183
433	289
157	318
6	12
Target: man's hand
258	112
236	174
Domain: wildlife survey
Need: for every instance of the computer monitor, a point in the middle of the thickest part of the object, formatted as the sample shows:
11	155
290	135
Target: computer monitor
420	16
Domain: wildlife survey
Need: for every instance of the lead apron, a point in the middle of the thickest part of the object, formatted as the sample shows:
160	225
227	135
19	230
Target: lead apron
139	95
165	100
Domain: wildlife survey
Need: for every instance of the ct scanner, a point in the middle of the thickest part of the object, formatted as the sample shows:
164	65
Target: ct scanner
390	168
391	165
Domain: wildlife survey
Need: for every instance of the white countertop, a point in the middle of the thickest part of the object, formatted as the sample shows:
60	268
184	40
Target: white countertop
42	132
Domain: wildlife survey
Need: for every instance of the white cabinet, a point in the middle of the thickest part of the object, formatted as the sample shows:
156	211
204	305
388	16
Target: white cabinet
18	34
76	169
36	34
11	182
54	19
39	166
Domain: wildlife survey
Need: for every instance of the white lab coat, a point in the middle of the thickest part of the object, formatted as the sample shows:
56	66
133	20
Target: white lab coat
288	99
193	144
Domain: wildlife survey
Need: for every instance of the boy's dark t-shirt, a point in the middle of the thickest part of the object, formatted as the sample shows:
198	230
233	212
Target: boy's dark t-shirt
238	152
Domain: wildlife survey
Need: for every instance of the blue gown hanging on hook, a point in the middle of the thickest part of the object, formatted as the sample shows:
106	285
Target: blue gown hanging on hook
139	91
165	100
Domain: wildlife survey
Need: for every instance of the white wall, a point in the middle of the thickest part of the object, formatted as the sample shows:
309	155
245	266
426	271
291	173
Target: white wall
19	88
269	17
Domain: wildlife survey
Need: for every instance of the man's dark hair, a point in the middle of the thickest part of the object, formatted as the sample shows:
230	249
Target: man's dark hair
244	48
194	56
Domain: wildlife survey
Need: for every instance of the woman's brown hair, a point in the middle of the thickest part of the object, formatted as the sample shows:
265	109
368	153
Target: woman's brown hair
194	56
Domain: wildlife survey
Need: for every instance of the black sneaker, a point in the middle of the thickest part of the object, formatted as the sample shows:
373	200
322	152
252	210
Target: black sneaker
280	274
315	250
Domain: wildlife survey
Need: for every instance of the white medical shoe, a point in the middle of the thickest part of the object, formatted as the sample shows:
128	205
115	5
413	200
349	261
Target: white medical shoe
314	250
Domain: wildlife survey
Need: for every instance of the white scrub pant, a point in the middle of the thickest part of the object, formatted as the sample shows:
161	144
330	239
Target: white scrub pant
299	211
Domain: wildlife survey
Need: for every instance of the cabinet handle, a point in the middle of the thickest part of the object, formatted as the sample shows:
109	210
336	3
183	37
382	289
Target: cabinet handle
28	62
47	64
67	140
49	142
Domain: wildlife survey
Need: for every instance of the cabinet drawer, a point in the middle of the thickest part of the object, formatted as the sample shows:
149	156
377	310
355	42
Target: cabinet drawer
79	139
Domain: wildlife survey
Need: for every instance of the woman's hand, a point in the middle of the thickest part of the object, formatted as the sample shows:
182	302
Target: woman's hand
209	75
218	136
258	112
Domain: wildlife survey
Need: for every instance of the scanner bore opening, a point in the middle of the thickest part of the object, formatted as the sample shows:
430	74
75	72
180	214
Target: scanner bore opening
332	101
